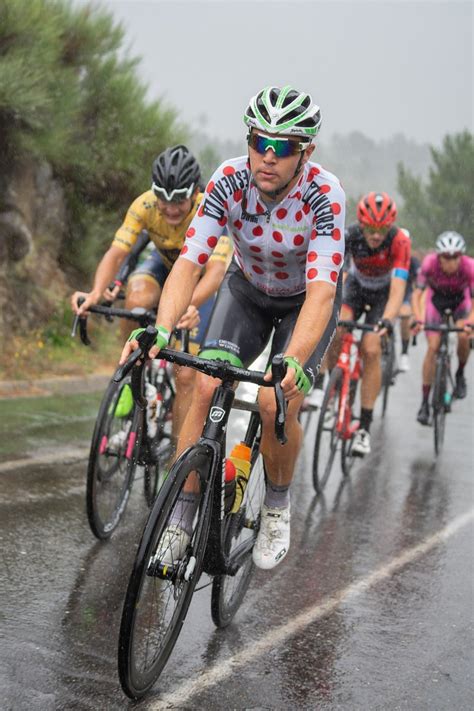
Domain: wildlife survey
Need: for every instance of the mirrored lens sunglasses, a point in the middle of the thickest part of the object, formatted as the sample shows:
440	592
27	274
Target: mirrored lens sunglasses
282	147
178	195
449	256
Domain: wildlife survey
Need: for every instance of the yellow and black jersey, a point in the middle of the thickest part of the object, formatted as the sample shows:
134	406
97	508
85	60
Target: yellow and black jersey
144	214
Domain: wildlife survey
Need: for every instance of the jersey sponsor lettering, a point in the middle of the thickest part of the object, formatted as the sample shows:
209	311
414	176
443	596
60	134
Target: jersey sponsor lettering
280	248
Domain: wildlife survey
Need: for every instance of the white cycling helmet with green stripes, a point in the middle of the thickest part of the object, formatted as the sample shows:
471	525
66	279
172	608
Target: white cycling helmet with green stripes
283	110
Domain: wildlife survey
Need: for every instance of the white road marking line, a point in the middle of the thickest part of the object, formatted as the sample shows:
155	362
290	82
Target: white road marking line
278	635
60	456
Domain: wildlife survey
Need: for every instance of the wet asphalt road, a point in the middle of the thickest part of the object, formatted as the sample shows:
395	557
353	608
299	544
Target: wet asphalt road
372	608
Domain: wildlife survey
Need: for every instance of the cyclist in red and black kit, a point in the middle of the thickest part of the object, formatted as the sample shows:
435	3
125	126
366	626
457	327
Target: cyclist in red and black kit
378	257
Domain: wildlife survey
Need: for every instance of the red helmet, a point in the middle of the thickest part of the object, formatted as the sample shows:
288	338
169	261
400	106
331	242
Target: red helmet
376	210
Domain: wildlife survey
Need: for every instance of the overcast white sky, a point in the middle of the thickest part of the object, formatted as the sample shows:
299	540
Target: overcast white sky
375	66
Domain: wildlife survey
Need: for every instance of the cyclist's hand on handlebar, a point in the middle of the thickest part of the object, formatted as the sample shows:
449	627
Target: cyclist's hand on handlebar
190	318
469	329
90	299
383	327
416	327
111	294
295	381
161	341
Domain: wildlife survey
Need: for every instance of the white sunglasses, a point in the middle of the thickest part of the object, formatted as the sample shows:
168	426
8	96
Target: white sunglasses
177	195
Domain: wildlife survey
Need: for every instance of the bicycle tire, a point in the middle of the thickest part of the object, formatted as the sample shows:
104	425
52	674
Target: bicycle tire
439	409
240	533
327	423
109	478
388	372
149	458
146	592
347	458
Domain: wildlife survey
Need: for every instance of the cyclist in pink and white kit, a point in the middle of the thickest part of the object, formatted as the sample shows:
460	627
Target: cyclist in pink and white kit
448	276
286	217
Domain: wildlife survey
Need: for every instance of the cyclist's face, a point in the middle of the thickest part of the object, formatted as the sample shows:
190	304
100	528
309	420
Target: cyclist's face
373	236
175	212
270	172
449	263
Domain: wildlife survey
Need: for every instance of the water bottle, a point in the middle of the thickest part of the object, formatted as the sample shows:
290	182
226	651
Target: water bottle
240	459
229	484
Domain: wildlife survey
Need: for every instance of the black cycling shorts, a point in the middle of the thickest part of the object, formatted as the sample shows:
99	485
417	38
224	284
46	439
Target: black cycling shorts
244	317
360	300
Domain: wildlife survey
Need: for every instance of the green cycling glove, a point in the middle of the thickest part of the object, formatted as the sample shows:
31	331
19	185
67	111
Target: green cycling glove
303	383
162	337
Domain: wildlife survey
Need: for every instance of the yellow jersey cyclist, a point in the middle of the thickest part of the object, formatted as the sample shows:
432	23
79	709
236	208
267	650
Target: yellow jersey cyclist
286	217
165	212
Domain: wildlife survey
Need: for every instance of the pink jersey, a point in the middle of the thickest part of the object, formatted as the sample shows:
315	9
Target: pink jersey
432	275
280	247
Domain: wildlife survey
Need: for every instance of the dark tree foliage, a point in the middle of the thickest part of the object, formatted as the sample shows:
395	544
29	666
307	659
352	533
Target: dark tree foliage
445	201
70	95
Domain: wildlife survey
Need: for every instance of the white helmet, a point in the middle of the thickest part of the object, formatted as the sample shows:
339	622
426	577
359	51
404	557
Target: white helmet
406	232
450	243
283	110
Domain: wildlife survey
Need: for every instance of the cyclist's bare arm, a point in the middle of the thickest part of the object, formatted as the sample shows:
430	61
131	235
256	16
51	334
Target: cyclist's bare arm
214	272
395	298
417	303
108	267
175	299
309	329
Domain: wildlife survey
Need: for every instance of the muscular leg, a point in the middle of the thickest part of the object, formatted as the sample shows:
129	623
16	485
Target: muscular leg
279	460
405	314
372	372
185	379
429	362
141	291
464	345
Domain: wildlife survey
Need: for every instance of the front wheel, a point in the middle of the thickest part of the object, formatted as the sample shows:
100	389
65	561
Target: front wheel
241	531
109	477
326	435
388	370
439	405
166	569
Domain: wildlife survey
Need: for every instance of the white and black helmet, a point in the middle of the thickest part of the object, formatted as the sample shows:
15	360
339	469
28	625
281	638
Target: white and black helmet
283	110
175	173
450	243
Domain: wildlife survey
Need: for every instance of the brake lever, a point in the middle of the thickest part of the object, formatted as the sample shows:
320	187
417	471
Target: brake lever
80	321
278	373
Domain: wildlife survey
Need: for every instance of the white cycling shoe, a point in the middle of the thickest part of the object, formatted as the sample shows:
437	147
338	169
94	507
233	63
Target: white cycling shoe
273	540
172	546
361	443
404	365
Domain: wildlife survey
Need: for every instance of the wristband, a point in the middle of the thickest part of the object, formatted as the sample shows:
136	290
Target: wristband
303	383
162	337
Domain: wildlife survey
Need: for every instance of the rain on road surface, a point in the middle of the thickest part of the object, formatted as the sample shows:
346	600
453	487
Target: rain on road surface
371	609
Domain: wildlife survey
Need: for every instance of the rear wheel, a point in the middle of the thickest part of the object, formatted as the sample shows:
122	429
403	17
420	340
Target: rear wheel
163	578
326	435
108	475
347	457
388	370
241	531
439	407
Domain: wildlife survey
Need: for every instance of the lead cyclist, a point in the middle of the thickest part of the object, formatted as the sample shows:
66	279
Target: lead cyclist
286	216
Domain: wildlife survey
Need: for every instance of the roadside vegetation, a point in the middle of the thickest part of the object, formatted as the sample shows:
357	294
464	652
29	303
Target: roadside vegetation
71	99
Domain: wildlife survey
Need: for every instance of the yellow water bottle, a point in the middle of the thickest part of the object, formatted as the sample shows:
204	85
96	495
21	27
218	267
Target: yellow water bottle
240	458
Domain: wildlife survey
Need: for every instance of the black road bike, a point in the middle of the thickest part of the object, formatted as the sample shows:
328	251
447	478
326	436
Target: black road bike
126	446
443	386
220	544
